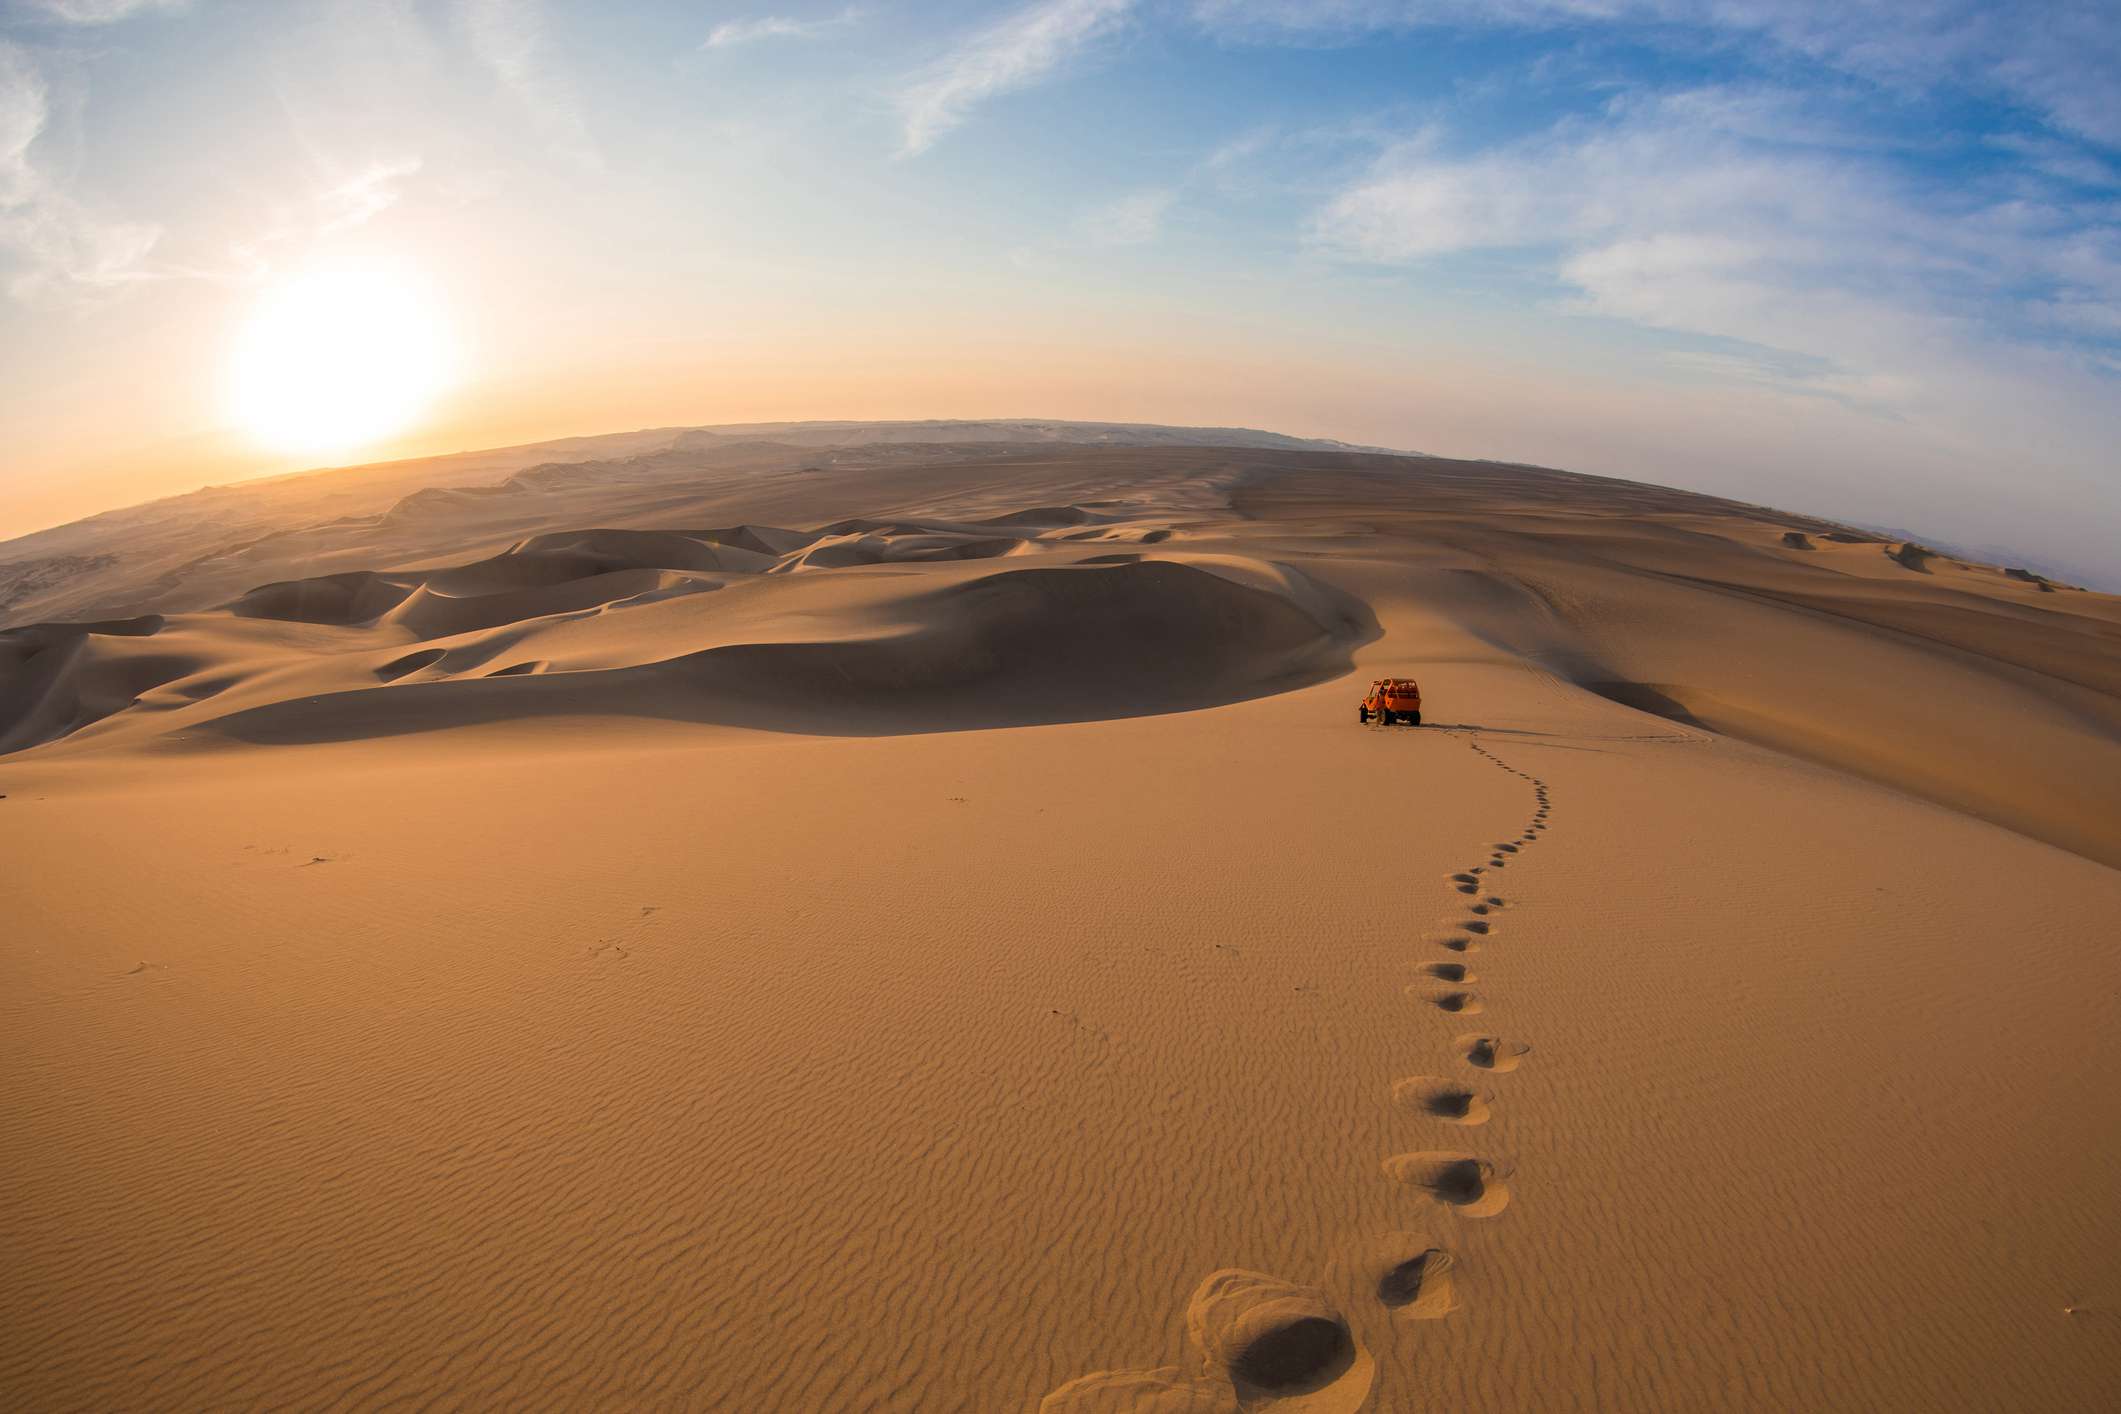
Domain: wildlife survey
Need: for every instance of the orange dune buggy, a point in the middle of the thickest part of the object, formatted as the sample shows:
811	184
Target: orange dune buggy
1393	700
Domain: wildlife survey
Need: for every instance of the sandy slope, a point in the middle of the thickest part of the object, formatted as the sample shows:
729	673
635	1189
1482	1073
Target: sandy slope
973	957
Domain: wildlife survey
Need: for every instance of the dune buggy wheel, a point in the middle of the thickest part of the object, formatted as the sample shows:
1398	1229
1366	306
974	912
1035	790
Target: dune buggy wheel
1414	719
1385	716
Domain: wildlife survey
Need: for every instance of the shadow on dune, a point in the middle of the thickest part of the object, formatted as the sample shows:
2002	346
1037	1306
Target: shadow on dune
57	678
339	600
1015	648
1646	697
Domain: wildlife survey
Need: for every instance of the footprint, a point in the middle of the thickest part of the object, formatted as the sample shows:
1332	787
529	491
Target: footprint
1492	1052
1450	972
1506	848
1465	1182
1441	1099
1475	925
1405	1272
1456	1002
1275	1340
1465	883
1458	944
1477	909
1420	1288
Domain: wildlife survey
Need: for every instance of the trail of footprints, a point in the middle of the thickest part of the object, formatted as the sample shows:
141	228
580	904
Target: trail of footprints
1472	1186
1264	1340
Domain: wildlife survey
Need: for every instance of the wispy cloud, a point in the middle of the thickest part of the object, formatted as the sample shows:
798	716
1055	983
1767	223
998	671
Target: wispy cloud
2060	160
1013	54
1237	151
1660	216
22	114
364	196
2058	57
1135	219
296	229
100	12
49	238
509	38
730	33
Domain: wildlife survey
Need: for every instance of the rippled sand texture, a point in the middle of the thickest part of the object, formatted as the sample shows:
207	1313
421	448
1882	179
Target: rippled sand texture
940	939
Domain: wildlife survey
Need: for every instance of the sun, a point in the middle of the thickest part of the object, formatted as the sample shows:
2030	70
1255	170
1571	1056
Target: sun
332	362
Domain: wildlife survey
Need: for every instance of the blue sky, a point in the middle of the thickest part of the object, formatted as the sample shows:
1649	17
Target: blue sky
1858	260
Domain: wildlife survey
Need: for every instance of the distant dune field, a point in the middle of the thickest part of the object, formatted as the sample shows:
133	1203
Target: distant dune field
834	917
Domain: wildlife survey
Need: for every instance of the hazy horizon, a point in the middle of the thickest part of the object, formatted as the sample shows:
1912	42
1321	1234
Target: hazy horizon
2093	576
1865	267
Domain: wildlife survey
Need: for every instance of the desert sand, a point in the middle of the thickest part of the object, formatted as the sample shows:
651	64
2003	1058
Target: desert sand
910	921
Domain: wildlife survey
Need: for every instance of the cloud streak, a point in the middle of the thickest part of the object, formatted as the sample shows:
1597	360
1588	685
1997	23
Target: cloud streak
1843	274
1014	54
2058	57
1135	219
100	12
364	196
50	239
730	33
508	37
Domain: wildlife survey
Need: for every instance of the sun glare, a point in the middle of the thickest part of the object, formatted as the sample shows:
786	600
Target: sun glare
332	363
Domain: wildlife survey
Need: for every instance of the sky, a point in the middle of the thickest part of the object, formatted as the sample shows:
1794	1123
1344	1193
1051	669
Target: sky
1857	260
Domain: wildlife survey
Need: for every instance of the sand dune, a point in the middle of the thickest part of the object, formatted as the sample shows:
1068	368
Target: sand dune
942	940
1073	637
1034	645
